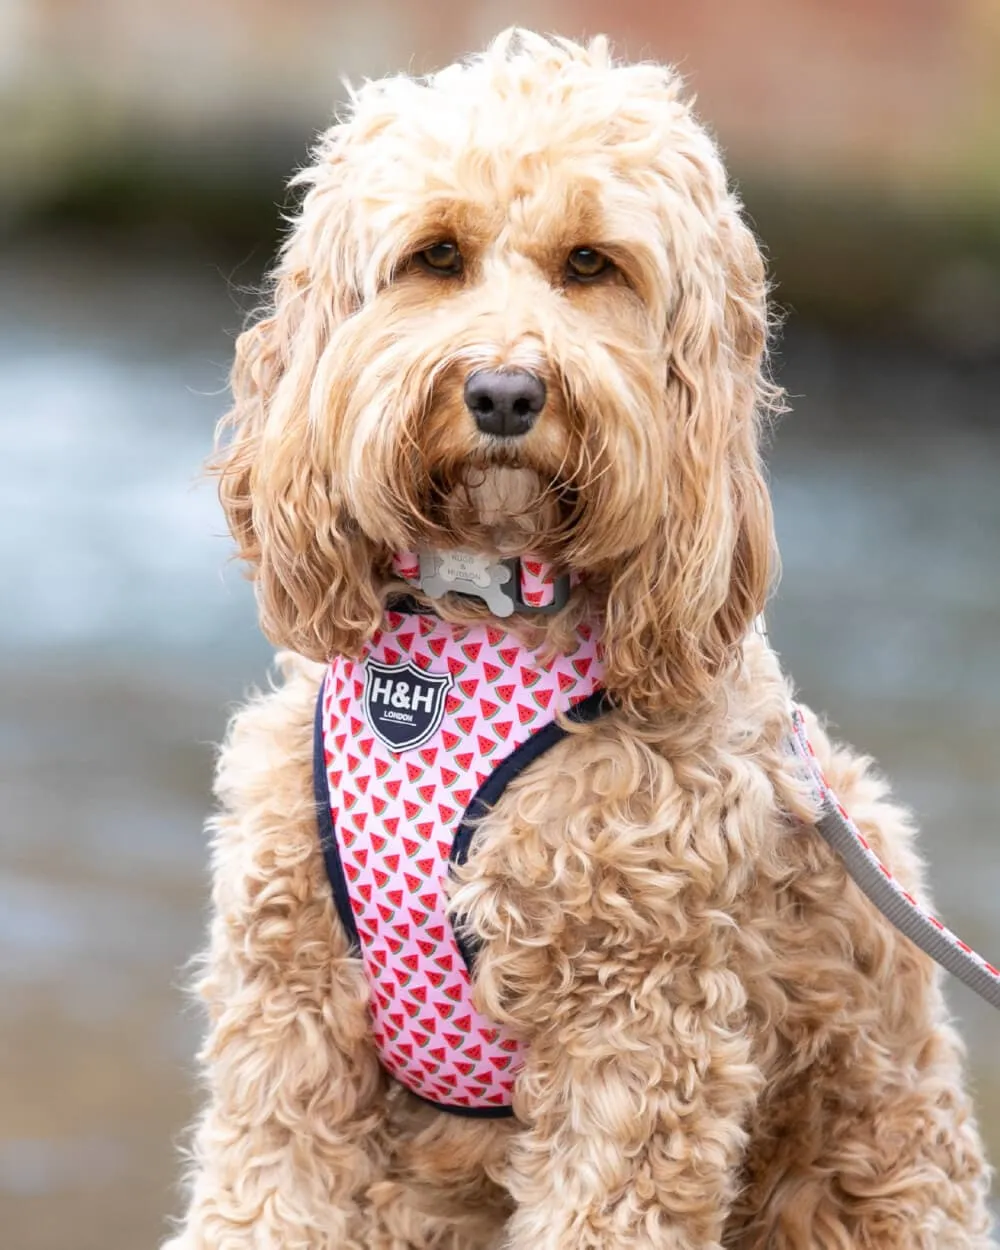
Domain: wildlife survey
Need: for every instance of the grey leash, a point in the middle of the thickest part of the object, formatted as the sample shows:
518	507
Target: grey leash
878	884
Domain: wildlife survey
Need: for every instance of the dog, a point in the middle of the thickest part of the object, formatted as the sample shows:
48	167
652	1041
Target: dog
518	331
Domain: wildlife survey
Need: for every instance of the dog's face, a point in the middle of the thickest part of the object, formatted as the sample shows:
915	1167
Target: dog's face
518	312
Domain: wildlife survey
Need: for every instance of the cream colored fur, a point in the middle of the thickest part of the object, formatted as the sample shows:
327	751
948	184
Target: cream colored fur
726	1045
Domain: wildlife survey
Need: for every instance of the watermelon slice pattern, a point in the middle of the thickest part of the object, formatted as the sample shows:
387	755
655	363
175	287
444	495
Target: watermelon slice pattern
395	816
537	585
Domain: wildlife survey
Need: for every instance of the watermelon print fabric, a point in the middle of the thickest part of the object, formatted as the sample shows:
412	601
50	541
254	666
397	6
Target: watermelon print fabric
413	741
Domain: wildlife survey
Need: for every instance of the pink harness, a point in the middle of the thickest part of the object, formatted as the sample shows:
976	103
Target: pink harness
418	740
414	743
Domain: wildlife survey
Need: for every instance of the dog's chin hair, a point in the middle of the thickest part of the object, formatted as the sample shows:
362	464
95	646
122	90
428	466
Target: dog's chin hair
502	509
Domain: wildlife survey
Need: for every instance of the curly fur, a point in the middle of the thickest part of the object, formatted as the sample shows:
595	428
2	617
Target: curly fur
726	1046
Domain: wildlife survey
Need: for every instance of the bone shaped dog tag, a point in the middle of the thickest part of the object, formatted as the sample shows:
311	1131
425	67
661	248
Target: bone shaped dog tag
467	573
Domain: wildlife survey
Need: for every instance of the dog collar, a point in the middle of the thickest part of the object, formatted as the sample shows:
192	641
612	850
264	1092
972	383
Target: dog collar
518	584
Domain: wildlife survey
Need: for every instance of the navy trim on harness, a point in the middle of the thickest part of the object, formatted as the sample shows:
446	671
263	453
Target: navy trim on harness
327	838
470	1113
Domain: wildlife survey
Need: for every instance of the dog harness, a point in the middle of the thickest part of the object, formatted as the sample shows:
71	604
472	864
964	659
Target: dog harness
414	743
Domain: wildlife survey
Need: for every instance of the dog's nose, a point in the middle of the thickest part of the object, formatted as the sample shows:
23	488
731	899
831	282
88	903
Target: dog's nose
504	402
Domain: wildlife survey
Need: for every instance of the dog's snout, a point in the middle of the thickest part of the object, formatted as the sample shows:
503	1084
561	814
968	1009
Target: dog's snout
504	402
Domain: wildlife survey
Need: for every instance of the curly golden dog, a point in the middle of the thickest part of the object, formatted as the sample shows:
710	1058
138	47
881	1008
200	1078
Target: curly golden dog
719	1042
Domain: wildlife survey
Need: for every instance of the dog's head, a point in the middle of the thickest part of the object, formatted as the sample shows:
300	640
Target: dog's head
518	311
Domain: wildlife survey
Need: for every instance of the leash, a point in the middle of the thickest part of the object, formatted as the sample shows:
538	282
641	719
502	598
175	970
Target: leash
875	880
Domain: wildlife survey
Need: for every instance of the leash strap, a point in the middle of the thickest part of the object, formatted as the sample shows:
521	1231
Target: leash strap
872	877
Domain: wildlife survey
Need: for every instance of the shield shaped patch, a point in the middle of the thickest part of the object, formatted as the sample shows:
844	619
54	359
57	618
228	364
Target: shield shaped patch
404	705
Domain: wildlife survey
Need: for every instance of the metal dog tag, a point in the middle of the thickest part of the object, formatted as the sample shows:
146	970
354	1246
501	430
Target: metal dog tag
468	573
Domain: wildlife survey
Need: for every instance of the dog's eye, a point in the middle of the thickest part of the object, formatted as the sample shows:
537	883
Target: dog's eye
586	263
443	258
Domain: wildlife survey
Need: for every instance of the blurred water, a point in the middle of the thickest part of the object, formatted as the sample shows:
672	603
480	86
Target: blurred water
112	538
124	637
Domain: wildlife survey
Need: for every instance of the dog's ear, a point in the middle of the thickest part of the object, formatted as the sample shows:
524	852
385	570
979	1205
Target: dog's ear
259	362
312	568
682	604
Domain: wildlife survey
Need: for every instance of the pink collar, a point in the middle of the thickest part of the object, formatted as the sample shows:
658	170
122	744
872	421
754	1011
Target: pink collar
519	584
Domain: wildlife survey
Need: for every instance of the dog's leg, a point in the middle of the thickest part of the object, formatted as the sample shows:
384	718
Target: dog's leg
852	1154
597	888
290	1141
440	1192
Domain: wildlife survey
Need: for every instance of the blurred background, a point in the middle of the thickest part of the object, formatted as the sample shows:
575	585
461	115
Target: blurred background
143	152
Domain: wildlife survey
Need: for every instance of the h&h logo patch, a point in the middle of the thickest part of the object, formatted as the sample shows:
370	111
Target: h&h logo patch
404	705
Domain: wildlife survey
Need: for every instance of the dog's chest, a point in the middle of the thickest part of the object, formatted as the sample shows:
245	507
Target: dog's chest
416	739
